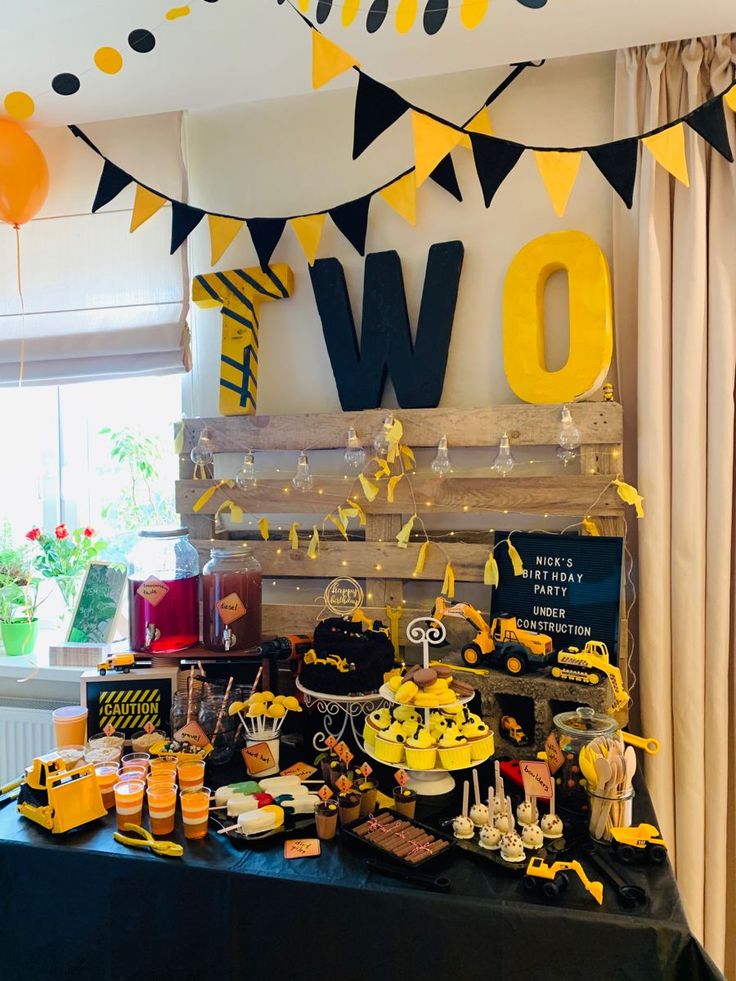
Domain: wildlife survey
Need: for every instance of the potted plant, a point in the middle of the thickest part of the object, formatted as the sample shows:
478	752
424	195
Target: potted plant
64	556
18	620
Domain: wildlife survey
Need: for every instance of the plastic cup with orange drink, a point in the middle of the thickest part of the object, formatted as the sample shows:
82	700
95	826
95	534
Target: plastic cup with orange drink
70	725
133	770
164	764
191	775
128	802
107	776
195	812
161	808
137	759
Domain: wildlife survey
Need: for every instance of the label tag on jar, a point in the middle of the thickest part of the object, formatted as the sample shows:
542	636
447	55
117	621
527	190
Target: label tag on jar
193	734
258	758
152	590
555	756
230	608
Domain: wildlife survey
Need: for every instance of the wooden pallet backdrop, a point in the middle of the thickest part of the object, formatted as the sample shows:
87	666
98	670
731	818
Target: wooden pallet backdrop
570	493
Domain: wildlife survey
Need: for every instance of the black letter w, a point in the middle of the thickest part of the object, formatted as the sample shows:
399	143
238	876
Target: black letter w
418	370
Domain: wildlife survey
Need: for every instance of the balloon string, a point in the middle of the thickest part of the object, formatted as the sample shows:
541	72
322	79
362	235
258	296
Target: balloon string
22	307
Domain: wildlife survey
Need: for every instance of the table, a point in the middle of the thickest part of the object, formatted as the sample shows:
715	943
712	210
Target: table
90	908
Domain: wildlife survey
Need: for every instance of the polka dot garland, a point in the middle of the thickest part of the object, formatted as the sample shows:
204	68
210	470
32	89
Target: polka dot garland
108	60
19	105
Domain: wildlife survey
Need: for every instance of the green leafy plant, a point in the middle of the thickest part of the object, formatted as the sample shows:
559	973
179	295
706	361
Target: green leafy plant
14	559
141	502
18	600
64	556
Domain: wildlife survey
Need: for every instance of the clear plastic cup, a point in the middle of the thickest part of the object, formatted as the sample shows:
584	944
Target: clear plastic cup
129	802
138	759
106	775
165	779
70	725
161	808
133	770
191	775
195	812
162	764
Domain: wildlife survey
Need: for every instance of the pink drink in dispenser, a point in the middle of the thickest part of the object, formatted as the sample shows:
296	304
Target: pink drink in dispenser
163	592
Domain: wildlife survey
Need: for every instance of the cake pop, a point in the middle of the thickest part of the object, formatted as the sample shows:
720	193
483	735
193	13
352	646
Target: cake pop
531	835
505	821
499	801
526	812
479	813
551	824
512	848
490	837
462	826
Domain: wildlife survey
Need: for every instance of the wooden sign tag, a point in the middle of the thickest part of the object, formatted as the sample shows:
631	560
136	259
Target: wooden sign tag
258	758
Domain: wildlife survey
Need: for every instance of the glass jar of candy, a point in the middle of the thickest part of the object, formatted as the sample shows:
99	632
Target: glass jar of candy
572	731
219	726
231	592
163	592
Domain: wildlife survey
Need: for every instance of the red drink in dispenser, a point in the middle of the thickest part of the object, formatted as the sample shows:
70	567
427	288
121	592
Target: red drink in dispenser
231	593
163	592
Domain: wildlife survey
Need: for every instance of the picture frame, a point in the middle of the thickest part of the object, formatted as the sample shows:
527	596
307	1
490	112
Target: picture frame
97	608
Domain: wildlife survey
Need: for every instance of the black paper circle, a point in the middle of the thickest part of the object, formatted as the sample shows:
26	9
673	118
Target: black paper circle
376	15
434	15
141	40
215	1
323	10
65	84
532	4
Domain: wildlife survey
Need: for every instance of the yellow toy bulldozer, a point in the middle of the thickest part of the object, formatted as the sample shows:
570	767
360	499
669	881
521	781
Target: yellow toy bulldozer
553	881
588	667
56	798
501	643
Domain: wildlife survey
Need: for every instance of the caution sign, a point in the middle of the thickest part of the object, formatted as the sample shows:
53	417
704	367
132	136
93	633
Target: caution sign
127	704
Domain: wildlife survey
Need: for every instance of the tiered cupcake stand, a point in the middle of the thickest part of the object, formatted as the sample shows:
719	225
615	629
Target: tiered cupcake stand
429	783
338	711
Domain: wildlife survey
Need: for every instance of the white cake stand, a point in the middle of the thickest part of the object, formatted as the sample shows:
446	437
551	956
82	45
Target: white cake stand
427	783
338	711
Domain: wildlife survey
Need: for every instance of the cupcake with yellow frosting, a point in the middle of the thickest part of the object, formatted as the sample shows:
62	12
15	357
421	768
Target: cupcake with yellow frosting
454	749
421	750
389	747
480	737
409	727
406	713
377	721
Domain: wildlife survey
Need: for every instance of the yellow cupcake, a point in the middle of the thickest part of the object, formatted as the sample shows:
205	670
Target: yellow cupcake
454	749
481	748
421	752
369	734
389	746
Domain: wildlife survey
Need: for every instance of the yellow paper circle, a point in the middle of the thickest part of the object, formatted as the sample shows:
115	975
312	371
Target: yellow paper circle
19	105
177	12
108	60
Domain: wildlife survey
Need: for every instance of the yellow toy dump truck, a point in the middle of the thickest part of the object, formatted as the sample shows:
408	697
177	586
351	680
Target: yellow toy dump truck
590	666
117	662
553	881
644	840
56	798
501	643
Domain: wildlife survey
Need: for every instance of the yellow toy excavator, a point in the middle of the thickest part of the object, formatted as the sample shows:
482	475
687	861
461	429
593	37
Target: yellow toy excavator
502	643
588	667
56	798
553	881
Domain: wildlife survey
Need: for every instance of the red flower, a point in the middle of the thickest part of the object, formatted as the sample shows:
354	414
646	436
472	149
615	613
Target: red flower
61	532
89	532
34	534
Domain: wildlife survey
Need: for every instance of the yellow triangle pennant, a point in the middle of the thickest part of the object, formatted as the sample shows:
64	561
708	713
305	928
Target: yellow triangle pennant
472	13
402	196
370	490
328	60
490	572
630	495
403	536
559	172
396	431
222	233
421	559
146	205
337	522
590	527
358	510
384	470
448	584
480	123
263	528
309	232
432	142
393	481
407	455
406	14
668	149
313	543
293	537
516	562
730	98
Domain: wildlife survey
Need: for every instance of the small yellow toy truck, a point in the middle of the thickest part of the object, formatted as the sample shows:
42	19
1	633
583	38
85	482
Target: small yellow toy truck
553	881
512	731
644	840
116	662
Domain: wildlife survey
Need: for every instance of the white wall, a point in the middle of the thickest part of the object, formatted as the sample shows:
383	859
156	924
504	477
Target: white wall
290	156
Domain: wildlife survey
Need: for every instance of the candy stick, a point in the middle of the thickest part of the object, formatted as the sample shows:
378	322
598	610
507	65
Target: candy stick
510	813
476	786
189	696
466	794
499	783
257	679
535	811
218	723
552	798
490	804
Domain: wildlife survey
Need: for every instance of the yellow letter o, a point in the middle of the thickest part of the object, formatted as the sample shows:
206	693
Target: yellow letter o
591	318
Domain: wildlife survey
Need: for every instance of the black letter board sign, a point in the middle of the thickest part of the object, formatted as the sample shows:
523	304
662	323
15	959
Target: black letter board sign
129	701
570	589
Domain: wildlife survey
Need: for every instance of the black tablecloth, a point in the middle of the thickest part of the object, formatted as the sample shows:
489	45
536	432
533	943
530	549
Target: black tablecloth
84	907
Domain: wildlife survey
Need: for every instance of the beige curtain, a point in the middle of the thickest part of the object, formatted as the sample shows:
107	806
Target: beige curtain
675	293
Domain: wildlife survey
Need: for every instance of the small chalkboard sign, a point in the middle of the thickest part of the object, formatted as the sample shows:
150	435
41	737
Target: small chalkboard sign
570	588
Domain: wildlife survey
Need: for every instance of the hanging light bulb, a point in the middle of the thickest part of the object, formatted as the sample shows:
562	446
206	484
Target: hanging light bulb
441	463
380	442
246	476
568	437
303	480
202	456
354	452
504	462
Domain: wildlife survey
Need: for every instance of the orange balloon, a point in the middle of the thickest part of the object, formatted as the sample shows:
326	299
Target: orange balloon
24	174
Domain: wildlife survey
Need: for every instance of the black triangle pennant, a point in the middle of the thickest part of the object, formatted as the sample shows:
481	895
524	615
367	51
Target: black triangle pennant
265	233
113	180
184	220
376	108
709	121
444	175
352	220
494	161
617	162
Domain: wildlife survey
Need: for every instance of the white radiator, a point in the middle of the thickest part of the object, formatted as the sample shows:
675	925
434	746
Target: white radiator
24	733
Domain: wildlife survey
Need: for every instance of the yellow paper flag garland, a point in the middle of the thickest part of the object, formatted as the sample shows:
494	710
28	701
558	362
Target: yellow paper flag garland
407	454
263	528
730	98
293	536
402	196
448	583
516	563
630	495
358	510
179	438
206	495
668	149
490	571
236	512
403	536
338	524
393	481
396	431
590	527
384	470
328	60
480	123
308	231
370	490
559	172
145	206
421	559
222	233
313	543
432	142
